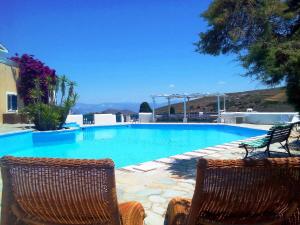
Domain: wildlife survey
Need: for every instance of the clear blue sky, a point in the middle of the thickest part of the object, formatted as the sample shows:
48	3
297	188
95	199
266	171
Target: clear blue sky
120	50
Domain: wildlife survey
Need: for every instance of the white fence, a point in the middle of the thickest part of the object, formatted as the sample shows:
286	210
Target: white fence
145	117
258	117
75	119
105	119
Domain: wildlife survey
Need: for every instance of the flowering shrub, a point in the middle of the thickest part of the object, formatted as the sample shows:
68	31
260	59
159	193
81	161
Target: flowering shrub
47	97
30	70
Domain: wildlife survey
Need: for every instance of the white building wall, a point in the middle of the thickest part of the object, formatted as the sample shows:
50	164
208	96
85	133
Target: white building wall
105	119
258	117
75	119
145	117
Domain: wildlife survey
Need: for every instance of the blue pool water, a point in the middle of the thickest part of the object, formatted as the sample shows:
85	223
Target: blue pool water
126	145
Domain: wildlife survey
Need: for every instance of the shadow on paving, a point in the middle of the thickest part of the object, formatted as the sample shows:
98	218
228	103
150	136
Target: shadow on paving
295	146
184	168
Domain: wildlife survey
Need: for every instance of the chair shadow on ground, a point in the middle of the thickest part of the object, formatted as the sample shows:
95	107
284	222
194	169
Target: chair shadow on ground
184	168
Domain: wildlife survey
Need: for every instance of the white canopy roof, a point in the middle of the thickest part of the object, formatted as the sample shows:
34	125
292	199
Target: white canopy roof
3	49
193	95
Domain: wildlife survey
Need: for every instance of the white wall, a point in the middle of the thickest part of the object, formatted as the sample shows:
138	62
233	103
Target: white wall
75	118
145	117
259	117
105	119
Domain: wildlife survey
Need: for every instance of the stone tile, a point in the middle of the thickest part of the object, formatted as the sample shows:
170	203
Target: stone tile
166	160
153	218
156	208
187	186
180	156
148	192
205	151
169	194
194	154
212	148
189	181
128	168
148	166
214	156
168	181
157	199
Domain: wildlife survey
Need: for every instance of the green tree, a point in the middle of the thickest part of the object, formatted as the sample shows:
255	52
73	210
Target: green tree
63	80
145	107
265	36
172	110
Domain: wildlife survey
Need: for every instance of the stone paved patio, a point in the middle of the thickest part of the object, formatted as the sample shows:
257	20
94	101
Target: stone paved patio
7	128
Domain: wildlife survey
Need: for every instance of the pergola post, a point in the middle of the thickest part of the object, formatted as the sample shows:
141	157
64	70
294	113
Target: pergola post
186	99
153	109
219	112
184	110
169	107
188	107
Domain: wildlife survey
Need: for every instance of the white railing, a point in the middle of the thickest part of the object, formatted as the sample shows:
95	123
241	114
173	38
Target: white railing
258	117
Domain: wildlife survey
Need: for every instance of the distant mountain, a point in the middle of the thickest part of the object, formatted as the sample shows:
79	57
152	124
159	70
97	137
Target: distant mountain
266	100
83	108
115	111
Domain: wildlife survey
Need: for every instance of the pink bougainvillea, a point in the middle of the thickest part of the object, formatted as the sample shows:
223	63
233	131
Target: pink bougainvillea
30	70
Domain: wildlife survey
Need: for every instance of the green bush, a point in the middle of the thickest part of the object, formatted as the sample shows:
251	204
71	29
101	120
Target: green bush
145	108
44	116
52	115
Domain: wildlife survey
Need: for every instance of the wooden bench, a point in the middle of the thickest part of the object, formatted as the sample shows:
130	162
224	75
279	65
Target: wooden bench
276	134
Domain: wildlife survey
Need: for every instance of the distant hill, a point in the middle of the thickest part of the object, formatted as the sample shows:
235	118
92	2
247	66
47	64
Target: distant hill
266	100
124	107
115	111
83	108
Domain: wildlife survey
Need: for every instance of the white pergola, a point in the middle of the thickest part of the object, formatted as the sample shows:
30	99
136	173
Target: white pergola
186	98
3	49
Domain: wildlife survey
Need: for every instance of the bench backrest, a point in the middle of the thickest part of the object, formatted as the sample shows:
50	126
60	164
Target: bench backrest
279	133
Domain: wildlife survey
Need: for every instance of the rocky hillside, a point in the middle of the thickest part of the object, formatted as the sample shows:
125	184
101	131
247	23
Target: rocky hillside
267	100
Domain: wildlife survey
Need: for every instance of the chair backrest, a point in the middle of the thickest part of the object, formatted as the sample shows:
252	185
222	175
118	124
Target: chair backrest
245	191
60	191
280	133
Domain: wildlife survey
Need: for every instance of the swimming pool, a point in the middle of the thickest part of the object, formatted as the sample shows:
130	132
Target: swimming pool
126	145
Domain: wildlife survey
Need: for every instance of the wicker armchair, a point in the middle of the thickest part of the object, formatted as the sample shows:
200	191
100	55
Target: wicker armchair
243	192
63	191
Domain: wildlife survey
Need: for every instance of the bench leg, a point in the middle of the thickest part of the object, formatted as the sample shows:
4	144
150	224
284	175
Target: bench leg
287	148
247	152
268	151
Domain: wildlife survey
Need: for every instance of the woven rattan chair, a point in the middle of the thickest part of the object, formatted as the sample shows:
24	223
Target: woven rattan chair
63	191
243	192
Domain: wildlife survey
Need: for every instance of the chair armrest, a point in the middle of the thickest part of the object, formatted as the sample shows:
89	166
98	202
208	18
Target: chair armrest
294	219
132	213
178	211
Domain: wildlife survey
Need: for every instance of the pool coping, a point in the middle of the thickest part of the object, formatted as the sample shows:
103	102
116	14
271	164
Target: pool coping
181	124
199	153
161	162
10	133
